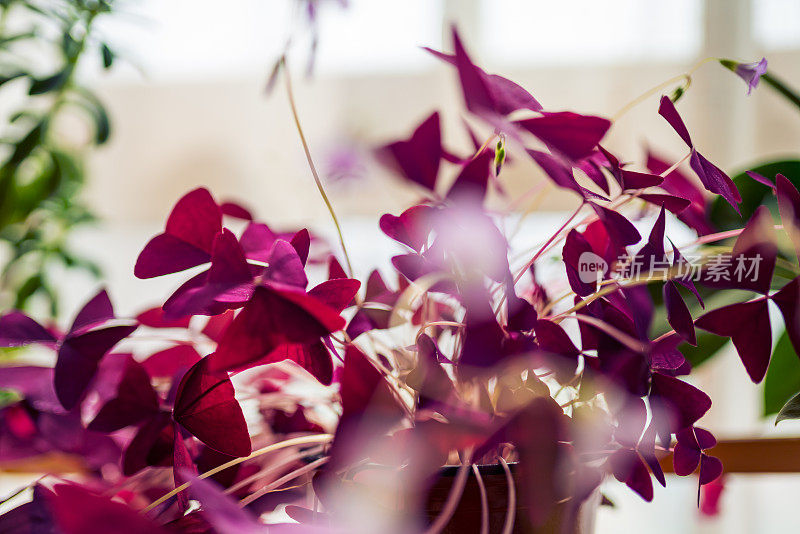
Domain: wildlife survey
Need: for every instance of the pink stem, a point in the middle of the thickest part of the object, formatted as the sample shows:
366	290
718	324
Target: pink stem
484	500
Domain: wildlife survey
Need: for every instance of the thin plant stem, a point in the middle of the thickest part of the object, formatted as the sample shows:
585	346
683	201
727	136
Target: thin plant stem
302	440
647	94
508	525
453	497
281	481
269	470
314	173
629	341
685	77
484	500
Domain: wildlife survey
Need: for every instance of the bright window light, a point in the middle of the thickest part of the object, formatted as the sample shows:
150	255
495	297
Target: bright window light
776	23
526	32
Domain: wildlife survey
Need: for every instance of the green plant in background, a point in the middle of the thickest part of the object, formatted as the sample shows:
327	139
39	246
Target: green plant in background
42	168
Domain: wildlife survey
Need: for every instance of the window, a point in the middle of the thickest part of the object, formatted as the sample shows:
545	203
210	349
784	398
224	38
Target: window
776	23
539	32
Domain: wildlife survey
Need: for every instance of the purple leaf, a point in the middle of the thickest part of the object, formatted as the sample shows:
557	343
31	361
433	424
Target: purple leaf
187	240
671	202
98	310
17	329
235	210
747	324
677	404
135	400
471	183
678	313
629	468
274	316
761	179
78	357
620	229
715	180
575	247
561	174
710	469
313	357
78	511
571	135
667	110
301	242
418	157
337	293
206	407
411	227
486	94
285	265
154	318
168	362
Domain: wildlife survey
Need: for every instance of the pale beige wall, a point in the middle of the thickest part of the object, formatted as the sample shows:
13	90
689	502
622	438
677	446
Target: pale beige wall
231	137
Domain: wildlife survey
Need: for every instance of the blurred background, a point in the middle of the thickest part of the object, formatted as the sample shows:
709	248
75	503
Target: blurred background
187	103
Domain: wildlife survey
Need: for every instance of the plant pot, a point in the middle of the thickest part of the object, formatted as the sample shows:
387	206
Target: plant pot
468	514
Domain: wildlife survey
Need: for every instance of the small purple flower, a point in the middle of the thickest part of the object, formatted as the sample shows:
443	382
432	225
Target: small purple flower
750	72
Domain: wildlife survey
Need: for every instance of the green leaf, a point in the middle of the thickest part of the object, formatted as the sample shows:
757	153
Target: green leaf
782	88
26	291
27	144
790	410
108	56
783	376
51	83
13	76
95	108
7	40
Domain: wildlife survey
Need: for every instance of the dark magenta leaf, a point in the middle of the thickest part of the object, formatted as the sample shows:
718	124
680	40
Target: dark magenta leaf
154	318
628	467
301	242
78	511
135	400
418	157
337	293
667	110
620	229
747	324
273	317
97	310
206	407
470	185
714	179
411	227
678	313
675	403
17	329
187	240
571	135
168	362
78	357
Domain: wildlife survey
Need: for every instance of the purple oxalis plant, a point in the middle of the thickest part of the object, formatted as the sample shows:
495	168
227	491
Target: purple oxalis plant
463	356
